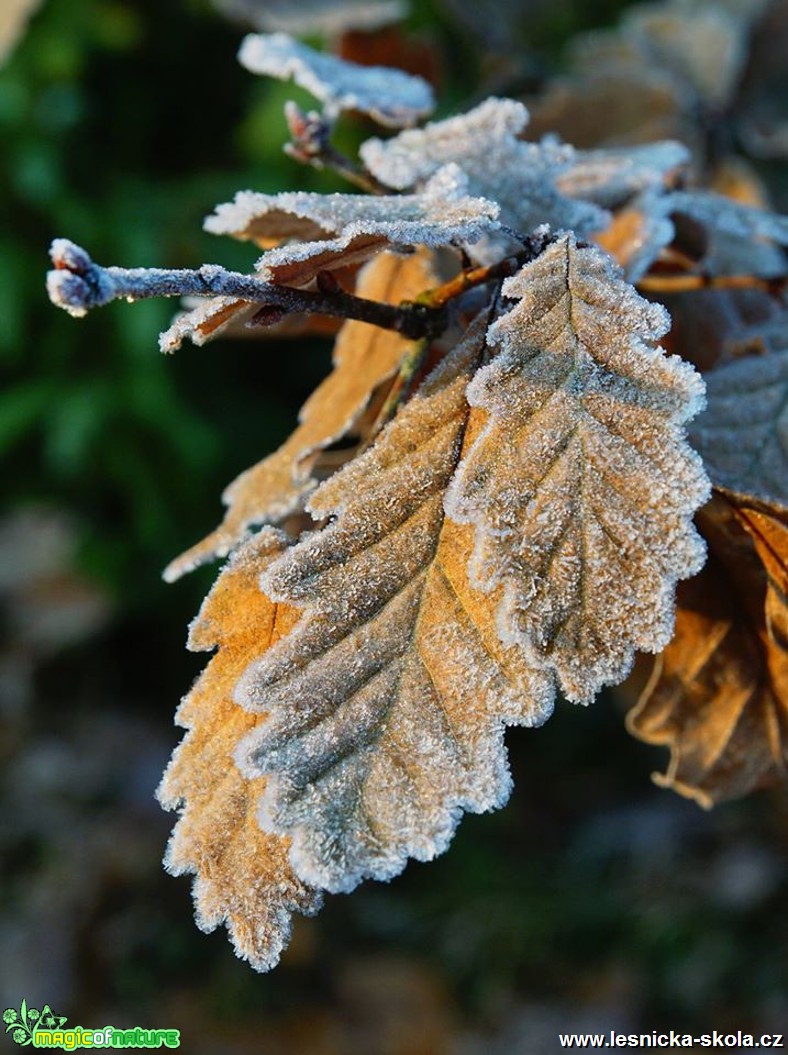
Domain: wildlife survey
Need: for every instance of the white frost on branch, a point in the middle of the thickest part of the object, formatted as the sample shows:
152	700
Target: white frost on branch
391	97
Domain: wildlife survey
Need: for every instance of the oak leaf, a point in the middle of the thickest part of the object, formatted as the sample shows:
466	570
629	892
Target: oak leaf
386	703
243	877
581	486
335	230
743	433
365	357
718	696
391	97
521	177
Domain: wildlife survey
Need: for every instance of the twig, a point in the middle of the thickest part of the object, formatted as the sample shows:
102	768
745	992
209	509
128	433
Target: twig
691	283
311	145
77	285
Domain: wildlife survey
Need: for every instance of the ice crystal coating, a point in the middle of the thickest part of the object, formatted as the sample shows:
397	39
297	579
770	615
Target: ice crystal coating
521	177
717	694
338	229
581	486
393	98
743	433
719	213
316	16
243	877
364	358
387	701
611	177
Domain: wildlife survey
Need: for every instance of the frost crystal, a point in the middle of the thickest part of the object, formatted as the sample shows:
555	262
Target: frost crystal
581	486
339	229
743	433
612	177
243	877
520	176
393	98
387	701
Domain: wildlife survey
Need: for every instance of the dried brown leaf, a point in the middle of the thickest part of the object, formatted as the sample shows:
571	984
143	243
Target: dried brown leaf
581	486
243	877
718	697
364	358
743	433
387	702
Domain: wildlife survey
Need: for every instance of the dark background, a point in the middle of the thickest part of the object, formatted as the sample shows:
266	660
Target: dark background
593	901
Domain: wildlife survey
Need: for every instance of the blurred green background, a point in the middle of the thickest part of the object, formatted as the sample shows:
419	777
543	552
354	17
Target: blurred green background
593	901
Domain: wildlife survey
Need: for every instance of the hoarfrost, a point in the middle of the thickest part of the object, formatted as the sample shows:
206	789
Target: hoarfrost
611	177
391	97
242	875
580	486
357	225
521	177
743	433
387	702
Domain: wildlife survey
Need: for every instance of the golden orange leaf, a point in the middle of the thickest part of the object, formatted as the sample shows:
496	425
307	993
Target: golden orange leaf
718	697
387	702
243	877
364	358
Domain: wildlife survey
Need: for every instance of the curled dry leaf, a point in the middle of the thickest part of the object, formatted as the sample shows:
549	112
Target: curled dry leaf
718	697
401	684
612	177
391	97
581	486
364	358
521	177
335	230
743	433
243	877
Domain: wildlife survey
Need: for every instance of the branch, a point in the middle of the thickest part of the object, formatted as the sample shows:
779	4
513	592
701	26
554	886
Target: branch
657	283
77	285
311	145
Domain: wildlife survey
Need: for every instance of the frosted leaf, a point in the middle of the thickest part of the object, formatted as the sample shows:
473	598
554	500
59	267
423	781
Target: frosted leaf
207	320
243	877
742	239
364	357
638	233
613	176
723	214
700	44
391	97
521	177
387	701
213	317
316	16
338	229
718	697
580	486
604	104
743	433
